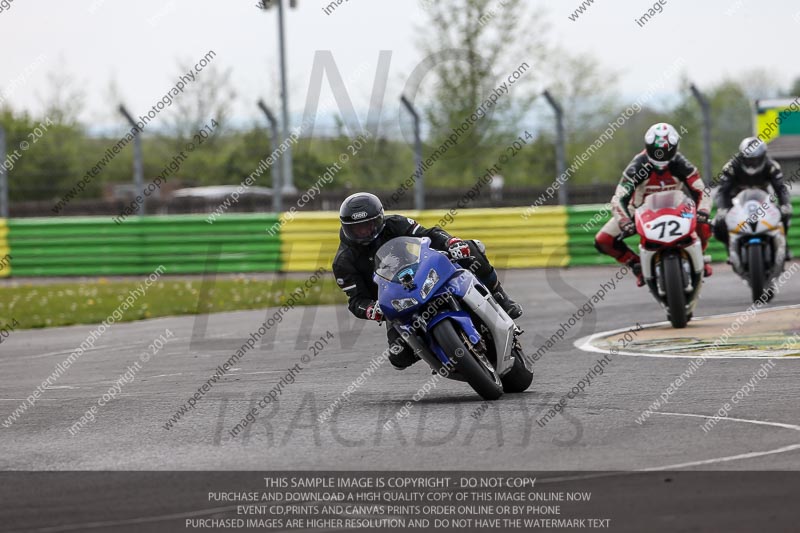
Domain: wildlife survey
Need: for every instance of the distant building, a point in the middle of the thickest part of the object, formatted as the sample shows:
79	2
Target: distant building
218	192
777	122
496	187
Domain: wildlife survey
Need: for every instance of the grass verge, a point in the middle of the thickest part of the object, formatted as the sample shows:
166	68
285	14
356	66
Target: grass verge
65	304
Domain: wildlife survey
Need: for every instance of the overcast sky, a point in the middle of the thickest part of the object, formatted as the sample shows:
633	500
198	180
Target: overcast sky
136	45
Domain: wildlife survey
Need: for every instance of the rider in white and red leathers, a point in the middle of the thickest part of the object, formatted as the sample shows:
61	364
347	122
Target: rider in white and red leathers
659	167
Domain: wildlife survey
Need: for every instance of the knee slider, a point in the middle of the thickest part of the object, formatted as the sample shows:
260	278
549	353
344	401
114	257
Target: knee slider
479	245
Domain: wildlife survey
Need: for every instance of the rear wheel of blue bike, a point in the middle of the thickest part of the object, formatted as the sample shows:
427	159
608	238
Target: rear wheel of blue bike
520	377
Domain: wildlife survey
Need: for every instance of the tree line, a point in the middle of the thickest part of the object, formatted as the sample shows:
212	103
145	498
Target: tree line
491	39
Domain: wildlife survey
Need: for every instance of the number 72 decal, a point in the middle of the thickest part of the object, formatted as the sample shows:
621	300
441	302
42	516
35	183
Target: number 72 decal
667	228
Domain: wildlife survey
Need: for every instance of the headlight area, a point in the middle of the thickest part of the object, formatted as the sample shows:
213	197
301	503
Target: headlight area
430	283
404	303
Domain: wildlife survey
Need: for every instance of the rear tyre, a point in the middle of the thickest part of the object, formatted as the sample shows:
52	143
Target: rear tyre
477	373
520	377
673	286
755	267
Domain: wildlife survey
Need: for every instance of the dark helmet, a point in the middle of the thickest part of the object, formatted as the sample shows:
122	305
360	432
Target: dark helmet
661	142
753	152
362	217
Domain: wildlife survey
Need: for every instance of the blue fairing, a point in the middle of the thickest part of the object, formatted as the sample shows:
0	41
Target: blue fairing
451	279
394	290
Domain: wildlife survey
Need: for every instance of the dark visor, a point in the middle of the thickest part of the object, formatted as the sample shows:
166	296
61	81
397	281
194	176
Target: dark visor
362	231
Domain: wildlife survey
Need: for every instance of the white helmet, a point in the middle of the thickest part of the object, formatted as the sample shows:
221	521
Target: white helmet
753	155
661	143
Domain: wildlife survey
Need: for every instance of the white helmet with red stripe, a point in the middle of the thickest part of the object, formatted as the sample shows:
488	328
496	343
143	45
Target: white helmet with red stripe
661	143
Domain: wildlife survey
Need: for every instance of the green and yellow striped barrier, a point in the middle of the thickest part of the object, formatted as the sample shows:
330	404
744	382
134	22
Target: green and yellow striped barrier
187	244
5	251
183	244
310	240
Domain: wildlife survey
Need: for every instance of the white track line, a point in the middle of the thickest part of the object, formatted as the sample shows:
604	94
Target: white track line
728	458
688	464
131	521
69	351
204	512
585	343
112	347
39	400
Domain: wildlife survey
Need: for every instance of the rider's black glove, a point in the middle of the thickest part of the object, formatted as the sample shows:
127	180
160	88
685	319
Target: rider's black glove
702	217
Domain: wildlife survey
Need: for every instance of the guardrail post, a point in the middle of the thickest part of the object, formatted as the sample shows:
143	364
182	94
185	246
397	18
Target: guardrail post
277	192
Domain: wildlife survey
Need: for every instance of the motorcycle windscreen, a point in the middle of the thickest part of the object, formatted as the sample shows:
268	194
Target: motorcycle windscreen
752	195
397	255
663	200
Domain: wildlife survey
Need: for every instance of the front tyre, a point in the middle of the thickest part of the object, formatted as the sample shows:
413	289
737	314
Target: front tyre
673	286
755	268
520	377
479	374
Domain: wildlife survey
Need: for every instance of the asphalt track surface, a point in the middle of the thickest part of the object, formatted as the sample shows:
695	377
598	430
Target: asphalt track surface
449	429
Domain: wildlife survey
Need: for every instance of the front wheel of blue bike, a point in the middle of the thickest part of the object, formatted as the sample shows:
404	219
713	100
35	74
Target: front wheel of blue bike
474	366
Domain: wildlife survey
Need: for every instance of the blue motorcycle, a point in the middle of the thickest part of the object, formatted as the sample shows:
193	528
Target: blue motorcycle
449	318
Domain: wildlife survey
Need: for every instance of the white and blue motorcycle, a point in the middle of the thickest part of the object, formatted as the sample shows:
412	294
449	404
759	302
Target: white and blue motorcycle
757	240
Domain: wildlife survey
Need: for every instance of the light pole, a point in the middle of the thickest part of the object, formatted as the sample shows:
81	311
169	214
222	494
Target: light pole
419	185
286	157
138	163
561	161
705	110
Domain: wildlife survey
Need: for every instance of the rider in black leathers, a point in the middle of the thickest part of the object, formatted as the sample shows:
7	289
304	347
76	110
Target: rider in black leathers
751	168
365	229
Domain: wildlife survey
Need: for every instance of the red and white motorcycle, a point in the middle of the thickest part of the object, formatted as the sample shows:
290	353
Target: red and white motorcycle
671	253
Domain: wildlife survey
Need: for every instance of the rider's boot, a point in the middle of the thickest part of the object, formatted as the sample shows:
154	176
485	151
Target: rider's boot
512	308
402	358
401	355
635	264
707	270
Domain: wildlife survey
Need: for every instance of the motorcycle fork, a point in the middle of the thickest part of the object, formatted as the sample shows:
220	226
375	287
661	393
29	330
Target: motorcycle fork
656	283
416	340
